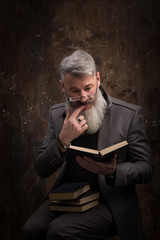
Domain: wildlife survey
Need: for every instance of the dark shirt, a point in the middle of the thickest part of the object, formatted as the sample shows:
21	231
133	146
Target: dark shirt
74	172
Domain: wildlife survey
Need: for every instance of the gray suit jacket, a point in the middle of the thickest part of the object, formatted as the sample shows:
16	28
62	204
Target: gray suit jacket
122	121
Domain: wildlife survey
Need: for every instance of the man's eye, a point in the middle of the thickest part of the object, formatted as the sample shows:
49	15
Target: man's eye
75	91
88	89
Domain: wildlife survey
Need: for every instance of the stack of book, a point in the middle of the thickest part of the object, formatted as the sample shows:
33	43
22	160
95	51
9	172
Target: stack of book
73	197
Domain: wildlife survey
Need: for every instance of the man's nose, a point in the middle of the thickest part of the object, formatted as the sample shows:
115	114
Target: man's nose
83	96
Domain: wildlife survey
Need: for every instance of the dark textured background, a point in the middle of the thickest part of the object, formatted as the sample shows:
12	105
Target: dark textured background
123	37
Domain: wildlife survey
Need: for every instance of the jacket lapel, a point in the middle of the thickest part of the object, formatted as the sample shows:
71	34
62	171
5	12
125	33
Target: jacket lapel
103	142
103	137
59	121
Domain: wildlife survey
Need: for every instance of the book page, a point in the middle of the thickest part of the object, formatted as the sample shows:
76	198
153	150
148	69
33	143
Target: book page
82	149
113	148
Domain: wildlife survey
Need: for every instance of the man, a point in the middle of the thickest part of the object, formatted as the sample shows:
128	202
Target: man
90	118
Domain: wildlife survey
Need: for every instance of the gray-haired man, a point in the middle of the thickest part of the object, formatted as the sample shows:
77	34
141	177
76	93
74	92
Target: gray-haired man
92	119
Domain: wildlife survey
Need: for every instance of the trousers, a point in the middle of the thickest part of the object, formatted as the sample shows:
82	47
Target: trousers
95	223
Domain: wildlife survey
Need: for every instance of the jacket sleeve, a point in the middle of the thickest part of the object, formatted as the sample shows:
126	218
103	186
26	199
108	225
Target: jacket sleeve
137	167
48	158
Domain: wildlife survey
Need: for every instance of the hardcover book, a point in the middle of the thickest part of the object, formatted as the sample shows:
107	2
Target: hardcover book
84	198
70	190
74	208
103	154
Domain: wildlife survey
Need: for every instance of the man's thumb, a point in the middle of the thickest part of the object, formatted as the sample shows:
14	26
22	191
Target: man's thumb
68	114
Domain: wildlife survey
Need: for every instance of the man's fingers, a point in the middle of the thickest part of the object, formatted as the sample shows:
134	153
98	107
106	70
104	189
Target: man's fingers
84	127
77	111
114	157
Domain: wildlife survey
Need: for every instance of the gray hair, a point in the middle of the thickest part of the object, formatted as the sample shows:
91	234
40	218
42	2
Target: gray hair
78	64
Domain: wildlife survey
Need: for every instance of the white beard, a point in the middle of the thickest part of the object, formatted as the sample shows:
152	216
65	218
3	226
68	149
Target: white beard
94	115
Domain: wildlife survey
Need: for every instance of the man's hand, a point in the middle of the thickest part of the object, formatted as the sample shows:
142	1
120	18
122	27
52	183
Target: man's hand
104	168
72	128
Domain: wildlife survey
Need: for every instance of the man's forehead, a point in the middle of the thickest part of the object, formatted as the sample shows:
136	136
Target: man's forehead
84	86
73	81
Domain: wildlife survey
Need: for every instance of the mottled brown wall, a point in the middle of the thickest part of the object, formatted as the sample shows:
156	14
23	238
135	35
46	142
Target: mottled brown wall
123	36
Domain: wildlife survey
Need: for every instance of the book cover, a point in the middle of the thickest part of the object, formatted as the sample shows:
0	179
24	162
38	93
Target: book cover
73	208
84	198
103	154
70	190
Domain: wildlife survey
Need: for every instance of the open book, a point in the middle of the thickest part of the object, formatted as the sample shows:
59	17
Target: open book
116	148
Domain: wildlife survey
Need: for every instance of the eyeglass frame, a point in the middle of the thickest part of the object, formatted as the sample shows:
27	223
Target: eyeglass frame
80	97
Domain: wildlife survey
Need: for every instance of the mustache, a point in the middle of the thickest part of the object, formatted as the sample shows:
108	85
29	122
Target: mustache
79	103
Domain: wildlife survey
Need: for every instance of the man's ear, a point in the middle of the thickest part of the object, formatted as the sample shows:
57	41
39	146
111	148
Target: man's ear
62	85
98	79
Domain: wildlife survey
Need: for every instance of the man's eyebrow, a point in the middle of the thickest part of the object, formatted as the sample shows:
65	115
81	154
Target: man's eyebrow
86	86
73	88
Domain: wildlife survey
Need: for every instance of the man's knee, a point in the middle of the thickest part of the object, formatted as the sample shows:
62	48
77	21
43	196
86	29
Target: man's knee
57	231
27	231
31	230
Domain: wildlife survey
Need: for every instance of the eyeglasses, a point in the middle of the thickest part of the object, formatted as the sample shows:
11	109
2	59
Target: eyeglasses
75	99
